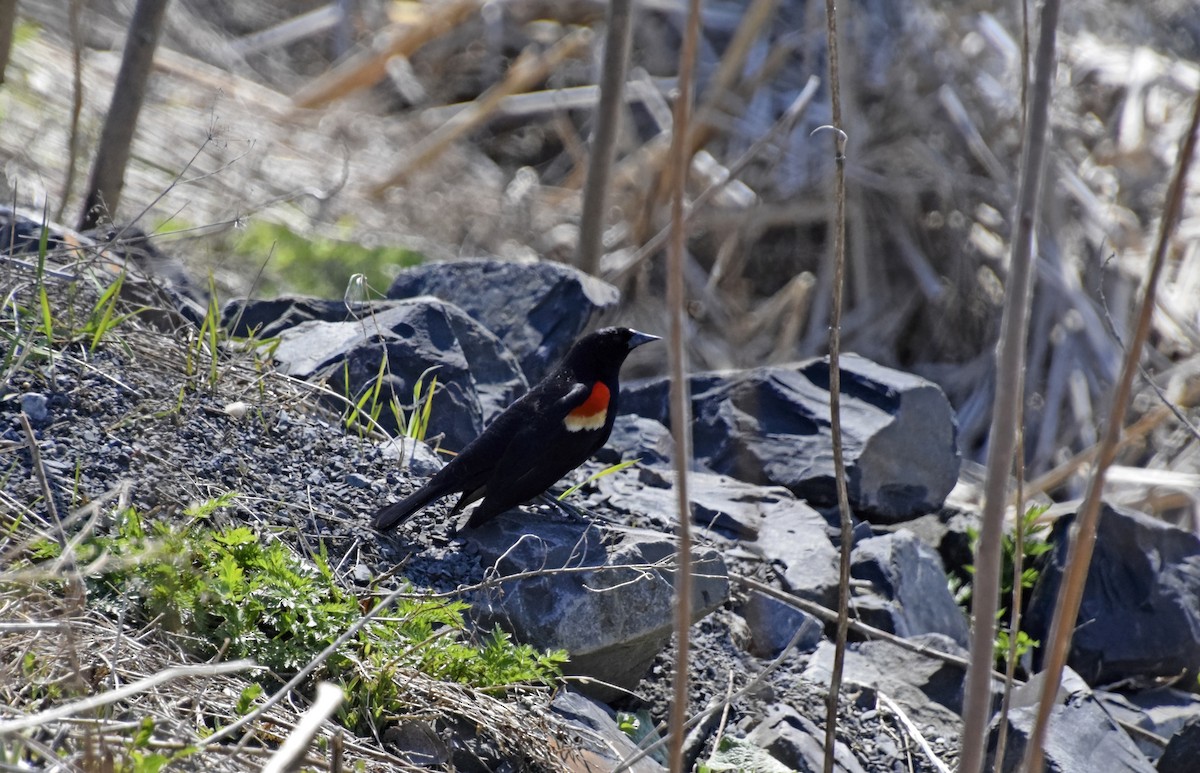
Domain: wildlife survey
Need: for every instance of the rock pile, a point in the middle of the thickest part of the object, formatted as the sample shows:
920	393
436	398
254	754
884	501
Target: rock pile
761	495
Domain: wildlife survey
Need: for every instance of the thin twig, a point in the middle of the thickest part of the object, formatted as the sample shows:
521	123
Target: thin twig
835	385
861	629
1006	405
1082	544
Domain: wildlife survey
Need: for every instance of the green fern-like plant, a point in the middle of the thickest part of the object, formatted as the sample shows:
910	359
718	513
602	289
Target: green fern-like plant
233	592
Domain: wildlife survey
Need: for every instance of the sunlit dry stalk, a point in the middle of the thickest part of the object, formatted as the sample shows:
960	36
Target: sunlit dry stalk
604	137
680	413
1010	369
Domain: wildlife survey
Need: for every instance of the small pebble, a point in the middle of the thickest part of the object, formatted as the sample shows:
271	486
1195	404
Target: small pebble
36	407
361	574
358	481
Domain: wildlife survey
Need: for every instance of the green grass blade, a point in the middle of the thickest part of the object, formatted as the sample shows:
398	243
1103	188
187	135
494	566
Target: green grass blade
606	471
104	308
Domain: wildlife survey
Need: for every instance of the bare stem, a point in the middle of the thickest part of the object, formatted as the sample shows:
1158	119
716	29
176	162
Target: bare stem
835	385
1006	407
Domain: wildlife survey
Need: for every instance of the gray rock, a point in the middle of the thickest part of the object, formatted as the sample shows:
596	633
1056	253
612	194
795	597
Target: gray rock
602	744
1183	750
793	536
910	595
1081	736
477	377
267	318
797	742
770	426
415	456
636	437
928	689
1141	602
613	619
36	407
537	309
720	504
416	742
773	623
1162	711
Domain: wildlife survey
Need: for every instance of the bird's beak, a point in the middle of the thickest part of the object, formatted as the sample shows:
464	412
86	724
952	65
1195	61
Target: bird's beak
639	338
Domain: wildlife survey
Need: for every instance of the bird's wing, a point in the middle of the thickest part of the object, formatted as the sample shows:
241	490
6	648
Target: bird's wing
539	453
575	397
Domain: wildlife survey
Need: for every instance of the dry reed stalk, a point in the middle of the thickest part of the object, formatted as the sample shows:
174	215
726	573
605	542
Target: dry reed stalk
370	67
1006	407
529	69
838	225
679	397
604	138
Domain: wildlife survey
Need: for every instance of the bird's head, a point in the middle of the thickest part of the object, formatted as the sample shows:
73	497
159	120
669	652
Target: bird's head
609	345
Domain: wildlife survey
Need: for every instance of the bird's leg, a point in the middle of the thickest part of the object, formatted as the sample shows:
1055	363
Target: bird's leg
566	507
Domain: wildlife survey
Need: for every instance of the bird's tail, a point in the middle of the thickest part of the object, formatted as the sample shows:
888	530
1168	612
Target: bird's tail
396	513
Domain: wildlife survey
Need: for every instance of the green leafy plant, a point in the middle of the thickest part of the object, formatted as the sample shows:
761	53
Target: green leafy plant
1027	541
230	591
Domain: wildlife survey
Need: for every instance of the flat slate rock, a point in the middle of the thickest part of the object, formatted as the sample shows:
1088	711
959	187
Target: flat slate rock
614	617
1081	738
1141	602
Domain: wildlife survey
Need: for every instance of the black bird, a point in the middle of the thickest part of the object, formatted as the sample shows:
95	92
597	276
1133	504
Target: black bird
541	437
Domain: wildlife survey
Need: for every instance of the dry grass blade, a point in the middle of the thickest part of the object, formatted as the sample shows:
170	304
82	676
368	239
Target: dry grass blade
1083	540
152	682
914	732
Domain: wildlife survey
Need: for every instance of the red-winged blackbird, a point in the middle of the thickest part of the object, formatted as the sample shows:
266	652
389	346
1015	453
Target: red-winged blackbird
537	440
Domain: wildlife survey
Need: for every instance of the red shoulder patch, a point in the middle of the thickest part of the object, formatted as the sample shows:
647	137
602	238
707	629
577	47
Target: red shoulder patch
593	412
